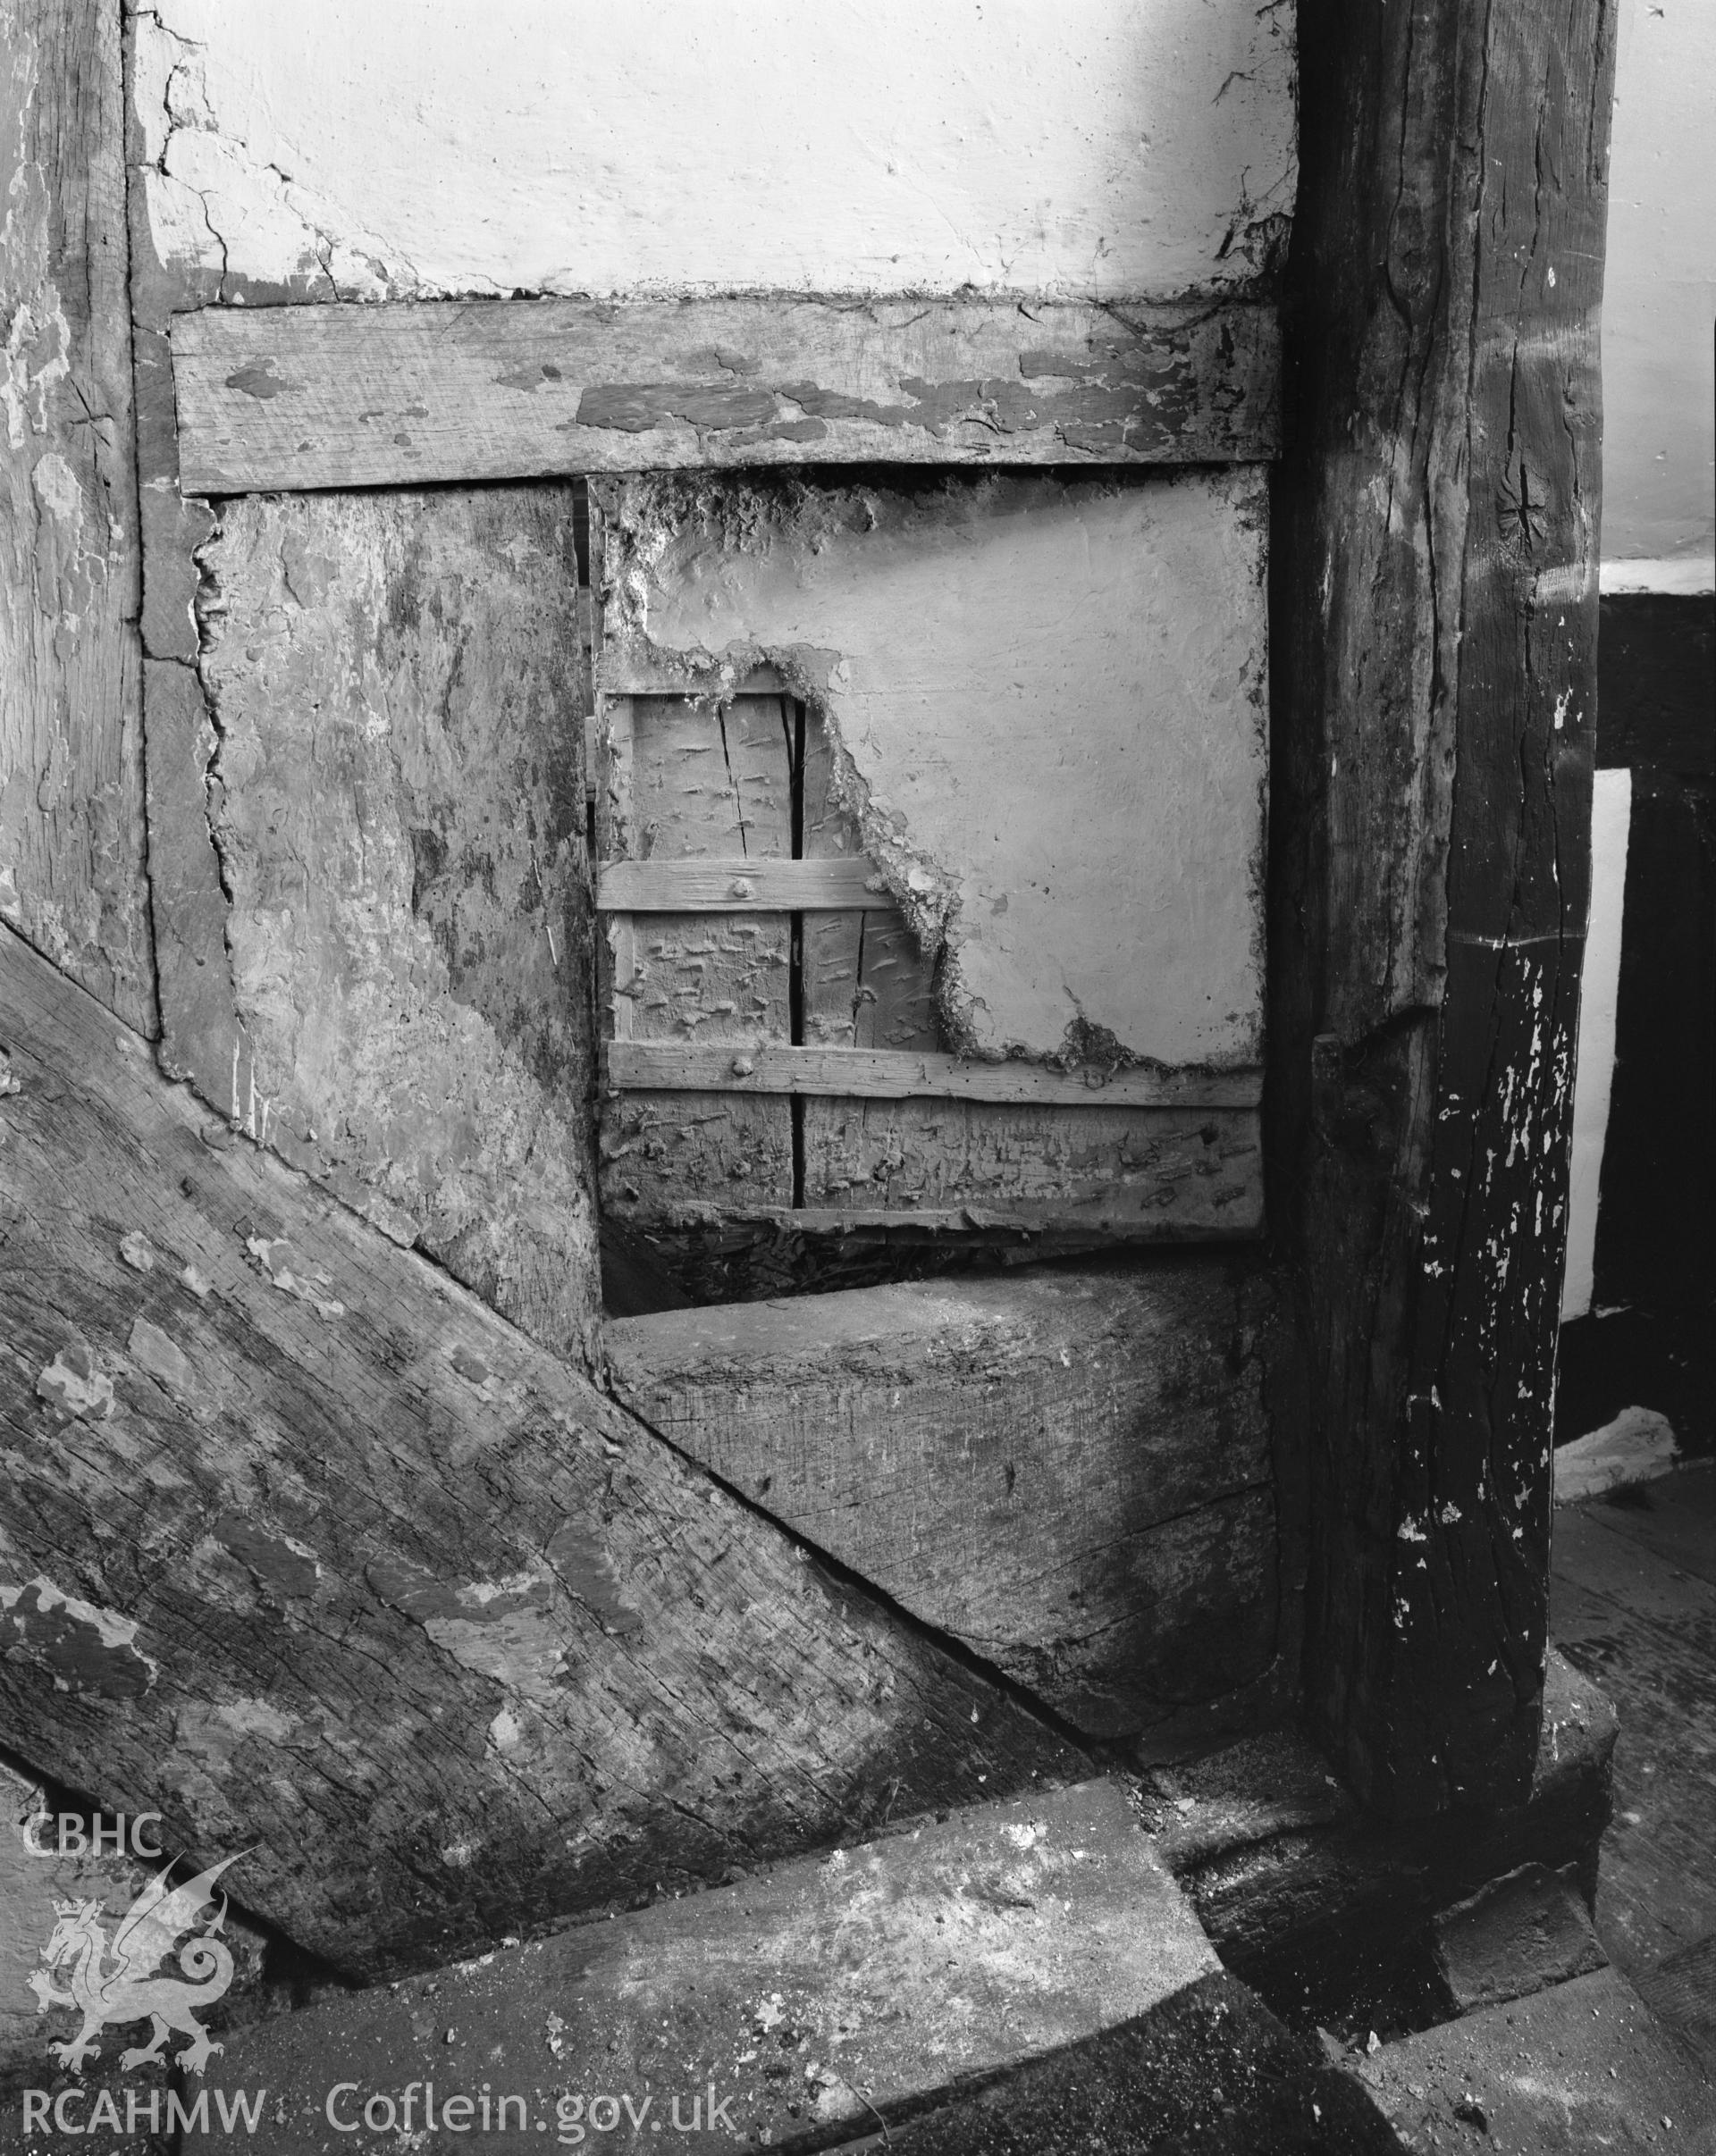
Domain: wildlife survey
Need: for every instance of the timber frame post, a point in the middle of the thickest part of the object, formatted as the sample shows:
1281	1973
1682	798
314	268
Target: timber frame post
610	1607
1434	656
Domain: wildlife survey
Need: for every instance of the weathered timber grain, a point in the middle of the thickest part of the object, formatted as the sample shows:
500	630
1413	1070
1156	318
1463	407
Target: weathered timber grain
866	981
686	780
895	1074
690	886
1067	1472
312	1553
1434	605
338	396
1156	1174
818	1999
1070	913
71	846
395	810
867	984
201	1022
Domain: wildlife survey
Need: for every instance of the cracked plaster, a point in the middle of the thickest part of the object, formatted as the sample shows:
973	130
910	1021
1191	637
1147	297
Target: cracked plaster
554	145
1048	705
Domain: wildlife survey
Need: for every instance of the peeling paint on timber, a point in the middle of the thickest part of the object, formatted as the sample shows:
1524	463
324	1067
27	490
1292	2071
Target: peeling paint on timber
80	1648
308	396
1435	682
72	838
408	1796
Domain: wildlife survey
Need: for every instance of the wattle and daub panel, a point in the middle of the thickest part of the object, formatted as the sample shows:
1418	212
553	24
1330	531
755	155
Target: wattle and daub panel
929	822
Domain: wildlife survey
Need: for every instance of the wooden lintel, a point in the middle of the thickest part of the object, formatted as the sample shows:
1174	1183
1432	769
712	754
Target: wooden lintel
837	885
340	396
310	1552
895	1074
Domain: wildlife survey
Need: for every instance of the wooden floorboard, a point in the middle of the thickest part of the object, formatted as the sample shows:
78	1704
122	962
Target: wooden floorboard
1633	1604
1675	1519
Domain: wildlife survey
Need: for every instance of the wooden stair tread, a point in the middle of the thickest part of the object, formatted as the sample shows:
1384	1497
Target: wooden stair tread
818	1999
1580	2066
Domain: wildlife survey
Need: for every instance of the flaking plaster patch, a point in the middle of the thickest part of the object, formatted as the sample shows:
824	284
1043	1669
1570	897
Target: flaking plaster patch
1045	706
216	208
291	145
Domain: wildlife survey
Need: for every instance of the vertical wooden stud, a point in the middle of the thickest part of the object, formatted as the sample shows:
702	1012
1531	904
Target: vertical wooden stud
1434	626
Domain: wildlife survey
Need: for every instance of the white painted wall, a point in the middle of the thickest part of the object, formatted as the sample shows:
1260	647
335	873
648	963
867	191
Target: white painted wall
1659	462
1610	816
1095	148
1658	378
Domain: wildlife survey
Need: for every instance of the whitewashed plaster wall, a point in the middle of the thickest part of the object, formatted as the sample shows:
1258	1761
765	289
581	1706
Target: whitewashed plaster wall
1659	462
1659	386
1599	999
1095	148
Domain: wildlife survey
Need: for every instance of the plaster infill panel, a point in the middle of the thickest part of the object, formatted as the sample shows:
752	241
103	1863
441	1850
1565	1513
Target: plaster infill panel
1046	703
336	147
396	800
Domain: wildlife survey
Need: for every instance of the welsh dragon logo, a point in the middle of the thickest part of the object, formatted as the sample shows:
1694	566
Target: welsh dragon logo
126	1988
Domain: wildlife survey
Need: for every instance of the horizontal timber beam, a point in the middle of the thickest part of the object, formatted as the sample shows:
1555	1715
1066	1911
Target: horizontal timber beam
310	1552
1108	1214
836	886
898	1074
1069	1471
345	396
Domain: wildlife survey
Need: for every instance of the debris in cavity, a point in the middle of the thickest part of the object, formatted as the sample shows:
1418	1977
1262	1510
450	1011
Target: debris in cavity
73	1381
138	1251
9	1081
279	1261
150	1349
198	1283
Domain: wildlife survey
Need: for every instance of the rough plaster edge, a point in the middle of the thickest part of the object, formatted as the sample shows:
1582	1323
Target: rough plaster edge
925	893
170	106
173	101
